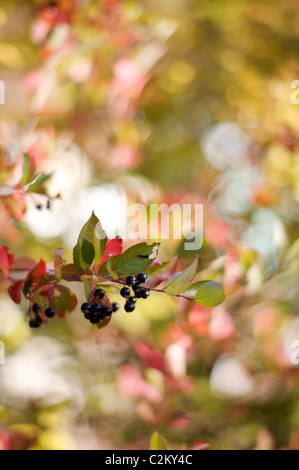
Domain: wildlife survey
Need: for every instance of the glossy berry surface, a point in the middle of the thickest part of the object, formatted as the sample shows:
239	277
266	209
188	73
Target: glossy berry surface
125	292
115	306
132	299
107	311
99	293
129	307
142	277
96	309
95	318
130	280
145	293
85	307
50	312
137	287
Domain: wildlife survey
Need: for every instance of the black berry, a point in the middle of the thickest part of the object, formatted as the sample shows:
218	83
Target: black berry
132	299
87	315
129	307
130	280
107	311
138	294
36	308
125	292
35	324
39	207
145	293
85	307
137	287
115	306
142	277
95	318
99	293
96	309
50	312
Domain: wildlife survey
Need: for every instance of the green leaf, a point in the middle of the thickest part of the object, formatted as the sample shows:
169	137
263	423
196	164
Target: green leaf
179	282
112	273
37	185
27	168
87	290
136	259
158	442
84	251
99	242
207	293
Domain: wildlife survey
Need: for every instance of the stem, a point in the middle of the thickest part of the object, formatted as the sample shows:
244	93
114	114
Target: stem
76	278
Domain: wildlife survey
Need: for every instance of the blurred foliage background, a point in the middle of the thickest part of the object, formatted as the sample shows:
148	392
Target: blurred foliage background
164	102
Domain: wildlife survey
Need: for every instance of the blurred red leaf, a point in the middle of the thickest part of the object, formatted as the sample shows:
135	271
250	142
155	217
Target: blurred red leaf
15	291
150	357
131	382
6	260
200	445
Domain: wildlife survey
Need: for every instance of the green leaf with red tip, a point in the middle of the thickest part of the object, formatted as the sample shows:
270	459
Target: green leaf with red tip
180	281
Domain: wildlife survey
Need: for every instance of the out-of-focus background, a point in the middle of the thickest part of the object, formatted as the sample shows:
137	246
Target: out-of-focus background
174	101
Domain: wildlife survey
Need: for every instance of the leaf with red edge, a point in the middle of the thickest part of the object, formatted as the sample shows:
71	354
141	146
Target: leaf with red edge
6	260
15	291
36	275
159	273
114	248
179	282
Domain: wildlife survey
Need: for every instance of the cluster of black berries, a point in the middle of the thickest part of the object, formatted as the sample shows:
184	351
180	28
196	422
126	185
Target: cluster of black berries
40	207
37	321
140	292
96	312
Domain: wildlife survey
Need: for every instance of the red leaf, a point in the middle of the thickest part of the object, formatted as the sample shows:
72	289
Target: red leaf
6	260
35	276
39	272
114	247
15	291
